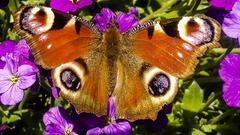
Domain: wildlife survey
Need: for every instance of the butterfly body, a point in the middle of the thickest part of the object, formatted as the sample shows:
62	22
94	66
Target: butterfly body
139	68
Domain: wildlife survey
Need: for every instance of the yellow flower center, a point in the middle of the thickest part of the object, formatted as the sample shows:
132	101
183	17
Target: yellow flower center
14	79
67	131
108	120
74	1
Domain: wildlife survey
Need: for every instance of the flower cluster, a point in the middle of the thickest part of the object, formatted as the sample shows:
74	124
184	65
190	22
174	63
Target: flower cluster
124	21
17	72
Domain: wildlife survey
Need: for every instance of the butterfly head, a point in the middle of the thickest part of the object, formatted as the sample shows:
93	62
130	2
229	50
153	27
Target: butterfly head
112	26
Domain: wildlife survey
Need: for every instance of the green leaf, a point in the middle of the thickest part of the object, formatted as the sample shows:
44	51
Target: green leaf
33	2
197	132
208	128
193	98
14	118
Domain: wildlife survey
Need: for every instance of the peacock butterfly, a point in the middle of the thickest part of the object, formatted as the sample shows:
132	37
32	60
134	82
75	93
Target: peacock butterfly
140	68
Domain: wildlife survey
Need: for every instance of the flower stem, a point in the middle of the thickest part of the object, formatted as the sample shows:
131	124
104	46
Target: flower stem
210	101
209	80
223	50
222	116
160	11
26	94
194	7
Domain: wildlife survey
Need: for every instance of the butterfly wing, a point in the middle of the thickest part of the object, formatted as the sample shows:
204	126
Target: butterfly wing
65	44
176	44
162	52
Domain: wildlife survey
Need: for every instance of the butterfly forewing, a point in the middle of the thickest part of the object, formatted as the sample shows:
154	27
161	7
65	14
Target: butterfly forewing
174	45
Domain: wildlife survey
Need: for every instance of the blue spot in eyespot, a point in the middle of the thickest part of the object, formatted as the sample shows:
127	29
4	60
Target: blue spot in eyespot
159	85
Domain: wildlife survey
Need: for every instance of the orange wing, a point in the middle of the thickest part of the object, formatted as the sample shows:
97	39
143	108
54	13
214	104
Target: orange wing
65	44
55	38
174	45
161	52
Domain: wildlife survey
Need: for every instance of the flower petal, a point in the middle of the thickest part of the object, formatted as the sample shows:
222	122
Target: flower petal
83	3
231	93
26	70
111	108
55	115
121	128
53	129
3	127
226	4
22	48
11	63
126	21
7	46
5	86
103	18
26	81
5	74
63	5
95	131
229	67
13	96
133	11
231	25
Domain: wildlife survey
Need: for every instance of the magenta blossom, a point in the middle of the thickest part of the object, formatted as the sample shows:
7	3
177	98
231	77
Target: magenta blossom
226	4
114	127
19	49
124	21
57	122
14	79
69	5
231	22
230	74
219	8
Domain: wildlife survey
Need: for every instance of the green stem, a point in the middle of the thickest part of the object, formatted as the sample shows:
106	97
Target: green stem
209	80
2	111
194	7
26	94
223	50
222	116
160	11
210	101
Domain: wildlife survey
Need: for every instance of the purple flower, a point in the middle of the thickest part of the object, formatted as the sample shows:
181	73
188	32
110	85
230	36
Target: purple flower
69	5
14	79
217	13
114	127
124	21
57	122
3	127
158	124
220	8
231	22
230	74
55	90
20	50
226	4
